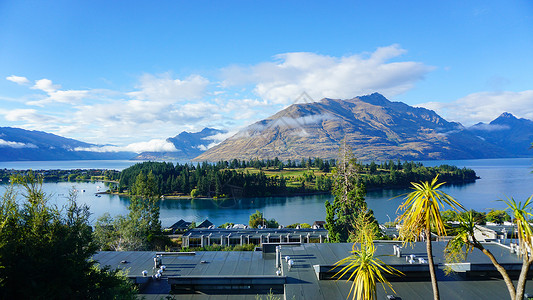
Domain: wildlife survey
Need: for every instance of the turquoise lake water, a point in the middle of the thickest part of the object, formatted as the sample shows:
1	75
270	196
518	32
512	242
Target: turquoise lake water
500	178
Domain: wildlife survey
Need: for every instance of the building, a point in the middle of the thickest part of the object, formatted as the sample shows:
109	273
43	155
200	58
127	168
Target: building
205	224
200	237
305	271
181	225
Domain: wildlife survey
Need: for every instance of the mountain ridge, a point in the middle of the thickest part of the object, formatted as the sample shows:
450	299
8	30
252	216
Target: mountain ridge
374	126
188	145
17	144
512	134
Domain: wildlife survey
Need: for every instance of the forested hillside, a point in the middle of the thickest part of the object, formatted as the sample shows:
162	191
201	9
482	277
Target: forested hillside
274	177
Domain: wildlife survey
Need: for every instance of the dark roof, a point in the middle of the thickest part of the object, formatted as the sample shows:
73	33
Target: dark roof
302	281
181	224
204	224
319	223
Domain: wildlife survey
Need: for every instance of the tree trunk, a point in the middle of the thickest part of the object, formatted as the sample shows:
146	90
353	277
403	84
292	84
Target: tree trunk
523	276
503	272
429	250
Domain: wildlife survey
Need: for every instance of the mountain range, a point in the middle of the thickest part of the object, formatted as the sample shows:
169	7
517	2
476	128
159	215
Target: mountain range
373	126
376	129
512	135
188	146
20	144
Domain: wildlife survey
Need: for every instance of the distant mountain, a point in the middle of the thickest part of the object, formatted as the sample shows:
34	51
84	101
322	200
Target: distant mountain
373	126
20	144
188	146
508	132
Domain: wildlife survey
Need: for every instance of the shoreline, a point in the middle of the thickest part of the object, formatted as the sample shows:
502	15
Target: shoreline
184	197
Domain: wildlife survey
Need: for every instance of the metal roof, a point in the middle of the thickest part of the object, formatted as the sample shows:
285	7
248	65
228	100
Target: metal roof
254	232
302	282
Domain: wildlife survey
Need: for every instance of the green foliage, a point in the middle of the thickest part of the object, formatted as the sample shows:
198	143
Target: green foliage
45	251
195	193
257	219
421	209
480	218
258	178
302	225
349	201
110	284
363	267
193	225
465	241
452	215
521	213
498	216
459	246
269	296
226	225
141	228
421	214
64	175
449	215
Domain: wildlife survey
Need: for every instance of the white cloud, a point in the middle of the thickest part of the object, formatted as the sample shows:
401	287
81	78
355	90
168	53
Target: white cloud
485	106
326	76
300	121
165	88
45	85
155	145
489	127
219	137
162	105
17	145
26	115
18	79
67	97
55	94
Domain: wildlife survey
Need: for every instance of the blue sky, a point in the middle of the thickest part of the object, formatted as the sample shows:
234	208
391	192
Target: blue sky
132	73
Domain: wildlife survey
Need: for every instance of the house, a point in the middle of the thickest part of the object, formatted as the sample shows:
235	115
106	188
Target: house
181	225
318	224
205	224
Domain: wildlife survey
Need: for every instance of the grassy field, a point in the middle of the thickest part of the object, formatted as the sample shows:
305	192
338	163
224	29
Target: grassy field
286	172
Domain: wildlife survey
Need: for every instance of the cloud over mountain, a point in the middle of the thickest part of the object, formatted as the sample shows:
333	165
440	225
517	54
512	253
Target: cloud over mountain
158	105
485	106
326	76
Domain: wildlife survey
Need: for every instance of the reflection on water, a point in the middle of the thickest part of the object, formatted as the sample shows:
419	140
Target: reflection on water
499	178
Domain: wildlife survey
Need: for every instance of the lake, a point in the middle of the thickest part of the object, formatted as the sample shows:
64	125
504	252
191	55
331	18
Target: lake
500	178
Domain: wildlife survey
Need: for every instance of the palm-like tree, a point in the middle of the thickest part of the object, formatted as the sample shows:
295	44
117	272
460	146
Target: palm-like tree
521	213
465	241
421	214
365	269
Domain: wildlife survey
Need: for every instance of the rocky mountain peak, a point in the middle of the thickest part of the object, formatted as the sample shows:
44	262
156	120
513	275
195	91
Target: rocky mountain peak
373	126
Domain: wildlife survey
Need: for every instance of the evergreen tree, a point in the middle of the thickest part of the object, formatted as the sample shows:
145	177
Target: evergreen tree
45	251
141	228
349	201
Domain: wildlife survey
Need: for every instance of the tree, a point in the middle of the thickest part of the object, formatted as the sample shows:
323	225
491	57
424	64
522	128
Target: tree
45	251
498	216
194	193
449	215
364	267
257	219
479	217
421	214
141	228
458	248
349	201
